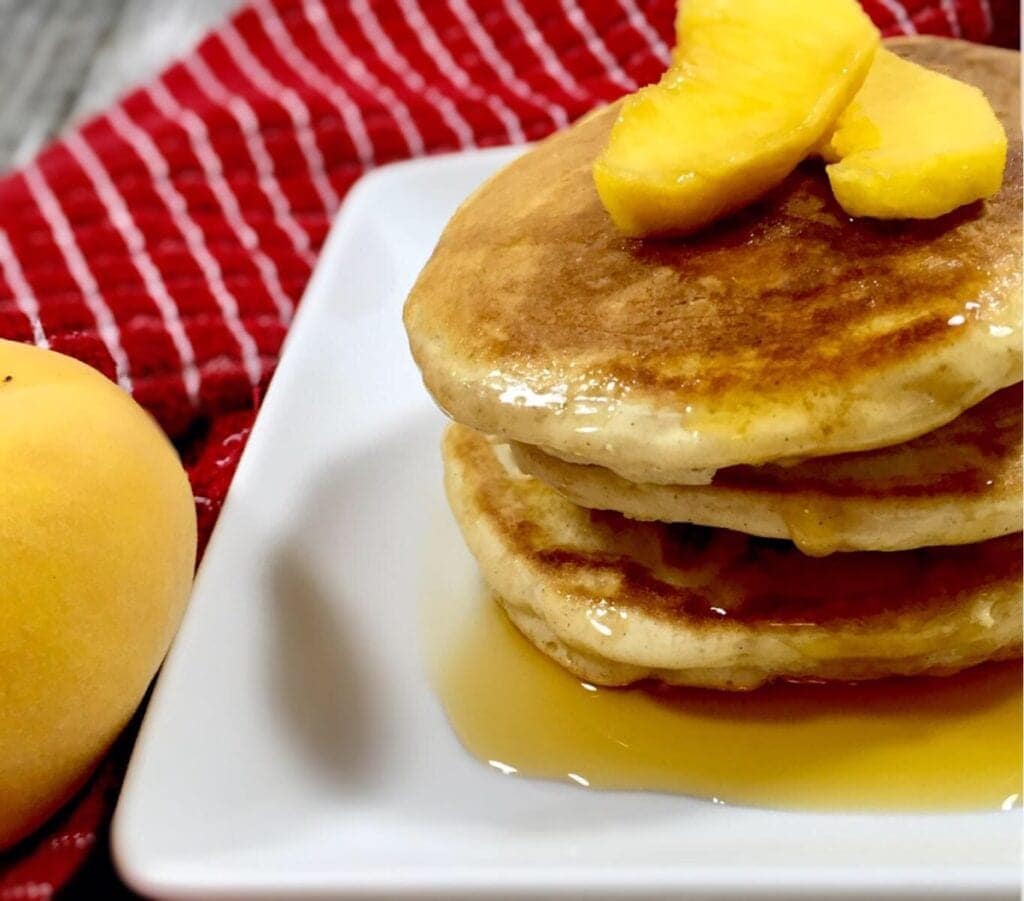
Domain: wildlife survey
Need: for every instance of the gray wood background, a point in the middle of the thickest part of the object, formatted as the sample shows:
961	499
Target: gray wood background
61	60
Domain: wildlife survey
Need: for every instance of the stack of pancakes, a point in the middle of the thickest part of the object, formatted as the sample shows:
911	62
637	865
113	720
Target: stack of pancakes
786	447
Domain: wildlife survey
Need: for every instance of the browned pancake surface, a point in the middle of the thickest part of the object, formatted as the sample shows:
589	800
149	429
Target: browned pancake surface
772	297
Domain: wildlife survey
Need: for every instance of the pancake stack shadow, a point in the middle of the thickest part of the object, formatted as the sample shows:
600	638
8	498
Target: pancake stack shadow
789	447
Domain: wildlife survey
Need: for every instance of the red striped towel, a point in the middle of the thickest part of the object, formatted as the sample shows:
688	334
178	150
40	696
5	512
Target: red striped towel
168	241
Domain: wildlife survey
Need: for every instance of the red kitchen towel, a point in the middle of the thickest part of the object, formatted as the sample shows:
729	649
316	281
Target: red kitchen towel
168	241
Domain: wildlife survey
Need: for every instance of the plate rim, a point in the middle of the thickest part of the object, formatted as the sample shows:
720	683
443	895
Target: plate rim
984	881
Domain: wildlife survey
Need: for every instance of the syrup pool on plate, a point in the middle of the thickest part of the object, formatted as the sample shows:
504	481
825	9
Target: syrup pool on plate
925	744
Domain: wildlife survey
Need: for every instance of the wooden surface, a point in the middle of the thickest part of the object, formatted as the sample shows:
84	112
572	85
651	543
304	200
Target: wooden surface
61	60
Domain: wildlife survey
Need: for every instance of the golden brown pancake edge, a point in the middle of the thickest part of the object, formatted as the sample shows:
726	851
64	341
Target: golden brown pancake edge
956	485
696	606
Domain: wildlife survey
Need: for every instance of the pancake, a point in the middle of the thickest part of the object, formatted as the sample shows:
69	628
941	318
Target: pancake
615	601
787	331
956	485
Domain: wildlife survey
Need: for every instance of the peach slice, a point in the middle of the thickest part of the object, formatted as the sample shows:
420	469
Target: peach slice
754	86
914	144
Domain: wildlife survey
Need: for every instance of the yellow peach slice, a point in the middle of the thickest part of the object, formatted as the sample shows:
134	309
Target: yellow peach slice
914	144
753	87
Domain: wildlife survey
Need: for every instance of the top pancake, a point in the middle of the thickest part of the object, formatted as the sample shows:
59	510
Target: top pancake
786	331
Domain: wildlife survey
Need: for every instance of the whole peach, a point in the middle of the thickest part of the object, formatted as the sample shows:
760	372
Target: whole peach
97	549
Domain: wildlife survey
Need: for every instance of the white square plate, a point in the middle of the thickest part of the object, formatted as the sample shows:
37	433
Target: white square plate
293	745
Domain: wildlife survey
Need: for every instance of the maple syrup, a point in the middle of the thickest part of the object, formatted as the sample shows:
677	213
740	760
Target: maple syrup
926	744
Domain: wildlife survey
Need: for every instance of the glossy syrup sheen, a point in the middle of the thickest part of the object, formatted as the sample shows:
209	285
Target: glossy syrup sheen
929	744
